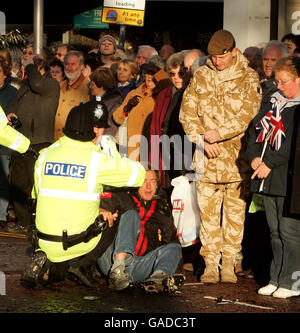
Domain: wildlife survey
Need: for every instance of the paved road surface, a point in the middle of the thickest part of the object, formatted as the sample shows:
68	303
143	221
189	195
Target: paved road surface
193	300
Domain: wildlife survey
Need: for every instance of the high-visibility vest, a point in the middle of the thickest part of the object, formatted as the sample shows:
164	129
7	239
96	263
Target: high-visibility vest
11	138
69	178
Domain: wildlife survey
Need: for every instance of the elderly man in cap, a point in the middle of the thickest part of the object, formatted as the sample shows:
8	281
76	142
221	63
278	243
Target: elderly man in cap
218	105
69	179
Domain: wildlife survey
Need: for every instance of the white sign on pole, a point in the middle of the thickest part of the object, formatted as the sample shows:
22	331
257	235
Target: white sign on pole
2	24
128	12
125	4
2	284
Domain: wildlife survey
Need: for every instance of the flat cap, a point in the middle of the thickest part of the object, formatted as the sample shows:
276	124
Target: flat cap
221	42
150	68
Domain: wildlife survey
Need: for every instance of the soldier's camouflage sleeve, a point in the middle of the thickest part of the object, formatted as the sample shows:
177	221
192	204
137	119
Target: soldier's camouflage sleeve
188	116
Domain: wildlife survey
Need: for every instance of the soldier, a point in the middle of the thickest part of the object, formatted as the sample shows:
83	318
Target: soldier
221	100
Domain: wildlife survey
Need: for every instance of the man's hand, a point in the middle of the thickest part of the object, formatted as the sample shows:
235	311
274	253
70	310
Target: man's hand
9	116
256	162
108	216
212	136
261	172
212	150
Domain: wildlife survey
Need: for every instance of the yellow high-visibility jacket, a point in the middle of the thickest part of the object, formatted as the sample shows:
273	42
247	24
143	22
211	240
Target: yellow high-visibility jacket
69	178
11	138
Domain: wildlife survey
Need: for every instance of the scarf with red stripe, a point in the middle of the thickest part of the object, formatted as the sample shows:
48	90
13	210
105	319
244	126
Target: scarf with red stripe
142	242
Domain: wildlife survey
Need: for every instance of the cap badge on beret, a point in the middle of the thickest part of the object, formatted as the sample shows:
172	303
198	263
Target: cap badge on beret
221	42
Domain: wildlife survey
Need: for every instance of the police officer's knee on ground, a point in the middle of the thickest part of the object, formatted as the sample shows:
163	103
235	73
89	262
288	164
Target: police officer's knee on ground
69	178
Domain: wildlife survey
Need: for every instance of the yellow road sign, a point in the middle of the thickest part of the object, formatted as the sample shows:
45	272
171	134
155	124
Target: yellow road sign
123	16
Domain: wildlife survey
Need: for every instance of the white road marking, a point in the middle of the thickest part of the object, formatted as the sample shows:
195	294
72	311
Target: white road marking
240	303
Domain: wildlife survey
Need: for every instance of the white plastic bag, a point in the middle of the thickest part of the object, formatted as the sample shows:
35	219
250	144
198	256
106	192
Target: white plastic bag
121	135
185	210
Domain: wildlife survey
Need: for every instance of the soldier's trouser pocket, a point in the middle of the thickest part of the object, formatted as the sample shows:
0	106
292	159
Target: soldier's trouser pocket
222	209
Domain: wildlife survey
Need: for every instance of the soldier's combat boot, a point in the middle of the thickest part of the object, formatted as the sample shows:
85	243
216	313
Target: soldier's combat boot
211	273
227	270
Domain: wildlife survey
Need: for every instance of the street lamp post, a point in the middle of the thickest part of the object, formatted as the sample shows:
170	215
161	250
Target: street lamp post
38	25
122	35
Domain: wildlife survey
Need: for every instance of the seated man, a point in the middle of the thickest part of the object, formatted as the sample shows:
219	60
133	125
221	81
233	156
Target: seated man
145	249
68	180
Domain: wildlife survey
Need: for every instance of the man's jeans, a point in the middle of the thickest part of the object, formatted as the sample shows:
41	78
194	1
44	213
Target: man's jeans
285	240
165	258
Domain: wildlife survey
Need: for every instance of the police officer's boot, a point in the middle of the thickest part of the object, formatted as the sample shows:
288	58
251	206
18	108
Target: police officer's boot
227	270
34	270
160	282
84	272
211	272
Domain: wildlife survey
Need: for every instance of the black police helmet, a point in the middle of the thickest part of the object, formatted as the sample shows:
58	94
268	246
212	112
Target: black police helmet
79	124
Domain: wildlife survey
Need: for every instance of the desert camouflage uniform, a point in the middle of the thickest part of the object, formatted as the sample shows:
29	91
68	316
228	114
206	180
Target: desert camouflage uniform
225	101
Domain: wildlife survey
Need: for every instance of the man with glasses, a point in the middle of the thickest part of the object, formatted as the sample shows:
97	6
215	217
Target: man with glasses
34	106
218	105
272	52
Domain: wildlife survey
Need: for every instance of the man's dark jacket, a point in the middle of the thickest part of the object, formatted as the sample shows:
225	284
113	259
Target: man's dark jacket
7	94
35	105
159	226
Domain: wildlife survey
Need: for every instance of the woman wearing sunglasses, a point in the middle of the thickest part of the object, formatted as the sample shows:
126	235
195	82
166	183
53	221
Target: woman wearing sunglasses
28	55
165	122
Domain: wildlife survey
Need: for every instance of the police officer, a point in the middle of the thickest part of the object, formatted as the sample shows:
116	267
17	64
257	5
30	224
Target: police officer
69	179
11	138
